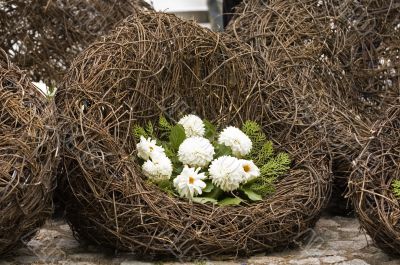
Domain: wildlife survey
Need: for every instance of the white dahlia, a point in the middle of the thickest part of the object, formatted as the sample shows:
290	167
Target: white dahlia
147	148
250	170
226	172
196	152
234	138
158	168
190	182
193	125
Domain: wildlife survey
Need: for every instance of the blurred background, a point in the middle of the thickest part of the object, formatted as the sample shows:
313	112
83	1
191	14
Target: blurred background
206	12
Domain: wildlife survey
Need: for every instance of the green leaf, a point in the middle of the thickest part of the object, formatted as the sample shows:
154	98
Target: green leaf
222	150
204	200
214	193
178	170
177	136
209	187
251	194
211	131
230	201
166	186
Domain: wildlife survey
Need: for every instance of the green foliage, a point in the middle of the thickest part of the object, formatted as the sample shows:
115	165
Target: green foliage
210	186
263	186
264	154
146	132
210	129
276	166
139	131
254	131
222	150
164	124
251	194
170	153
396	188
150	128
215	193
177	136
230	201
204	200
166	186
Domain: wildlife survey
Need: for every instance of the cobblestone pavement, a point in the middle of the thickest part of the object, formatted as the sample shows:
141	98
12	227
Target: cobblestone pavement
335	240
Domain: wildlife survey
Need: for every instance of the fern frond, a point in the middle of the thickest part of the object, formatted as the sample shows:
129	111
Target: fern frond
139	131
164	124
251	128
264	154
263	186
149	128
276	166
254	131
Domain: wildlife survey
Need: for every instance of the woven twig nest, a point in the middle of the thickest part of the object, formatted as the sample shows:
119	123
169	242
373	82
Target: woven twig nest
359	38
156	64
371	184
312	44
44	36
28	146
371	53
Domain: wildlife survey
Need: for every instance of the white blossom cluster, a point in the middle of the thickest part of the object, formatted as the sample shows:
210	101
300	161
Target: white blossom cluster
196	153
157	166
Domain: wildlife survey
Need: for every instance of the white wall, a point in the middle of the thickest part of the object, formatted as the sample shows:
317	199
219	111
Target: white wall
187	9
172	6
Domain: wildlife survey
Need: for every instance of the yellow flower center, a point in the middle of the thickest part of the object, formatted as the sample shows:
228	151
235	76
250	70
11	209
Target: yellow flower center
246	168
151	148
191	180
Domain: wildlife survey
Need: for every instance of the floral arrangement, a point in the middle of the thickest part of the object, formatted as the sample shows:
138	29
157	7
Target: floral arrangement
193	161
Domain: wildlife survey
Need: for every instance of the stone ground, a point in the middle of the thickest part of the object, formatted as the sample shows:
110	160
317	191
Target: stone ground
335	240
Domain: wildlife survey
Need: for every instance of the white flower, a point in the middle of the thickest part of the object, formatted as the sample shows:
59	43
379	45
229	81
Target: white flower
226	172
234	138
193	126
250	170
146	148
196	152
190	182
158	168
